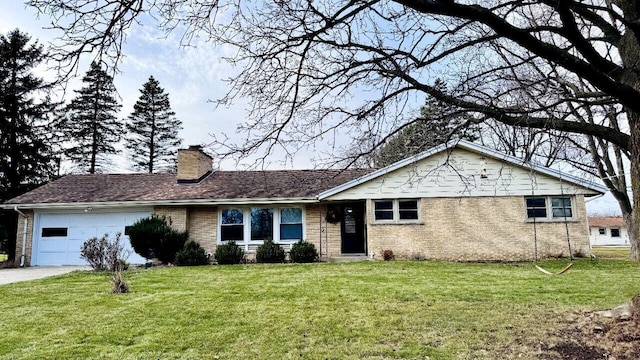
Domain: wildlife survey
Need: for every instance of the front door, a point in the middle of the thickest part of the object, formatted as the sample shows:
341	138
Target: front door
352	228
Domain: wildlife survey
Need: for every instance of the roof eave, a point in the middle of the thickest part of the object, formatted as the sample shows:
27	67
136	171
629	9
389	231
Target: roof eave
130	204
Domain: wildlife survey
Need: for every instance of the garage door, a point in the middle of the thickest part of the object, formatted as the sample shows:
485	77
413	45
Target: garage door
58	237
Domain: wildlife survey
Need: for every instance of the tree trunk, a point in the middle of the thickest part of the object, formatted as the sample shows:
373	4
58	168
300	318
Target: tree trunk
629	49
633	221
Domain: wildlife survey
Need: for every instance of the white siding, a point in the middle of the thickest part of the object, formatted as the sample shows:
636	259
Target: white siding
458	174
607	240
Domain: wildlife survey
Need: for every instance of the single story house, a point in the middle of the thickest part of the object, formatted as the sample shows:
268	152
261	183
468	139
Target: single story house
456	201
608	231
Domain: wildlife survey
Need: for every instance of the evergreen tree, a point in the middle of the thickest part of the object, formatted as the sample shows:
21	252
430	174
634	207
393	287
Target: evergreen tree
26	160
438	123
90	121
153	130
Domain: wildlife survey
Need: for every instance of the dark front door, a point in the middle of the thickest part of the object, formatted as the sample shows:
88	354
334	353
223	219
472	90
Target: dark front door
352	228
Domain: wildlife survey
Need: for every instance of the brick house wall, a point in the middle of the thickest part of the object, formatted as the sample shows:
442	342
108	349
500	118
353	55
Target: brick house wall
325	236
477	228
178	215
461	229
20	236
203	222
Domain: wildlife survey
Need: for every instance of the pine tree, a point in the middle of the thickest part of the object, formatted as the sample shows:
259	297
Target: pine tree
26	159
91	123
438	123
153	130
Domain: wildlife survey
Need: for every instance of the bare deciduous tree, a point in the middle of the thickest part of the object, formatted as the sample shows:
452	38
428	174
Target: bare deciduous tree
309	68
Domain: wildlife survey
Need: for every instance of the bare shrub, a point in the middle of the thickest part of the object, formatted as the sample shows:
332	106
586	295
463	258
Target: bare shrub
119	284
387	255
103	254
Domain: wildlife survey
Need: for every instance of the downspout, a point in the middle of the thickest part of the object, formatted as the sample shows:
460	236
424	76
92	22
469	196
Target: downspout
23	256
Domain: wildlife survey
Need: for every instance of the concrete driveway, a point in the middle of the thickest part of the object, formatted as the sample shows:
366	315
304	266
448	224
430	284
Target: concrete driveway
8	276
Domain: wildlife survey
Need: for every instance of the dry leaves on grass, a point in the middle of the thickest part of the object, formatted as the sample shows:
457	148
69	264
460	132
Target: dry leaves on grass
610	335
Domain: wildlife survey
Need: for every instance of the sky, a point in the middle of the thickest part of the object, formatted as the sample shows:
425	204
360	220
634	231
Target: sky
191	76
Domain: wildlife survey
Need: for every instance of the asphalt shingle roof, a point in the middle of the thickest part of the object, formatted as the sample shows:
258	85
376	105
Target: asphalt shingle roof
604	221
164	187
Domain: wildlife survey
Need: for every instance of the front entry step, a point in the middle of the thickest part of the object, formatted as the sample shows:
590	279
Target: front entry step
349	258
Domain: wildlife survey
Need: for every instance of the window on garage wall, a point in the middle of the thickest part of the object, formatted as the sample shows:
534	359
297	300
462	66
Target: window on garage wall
54	232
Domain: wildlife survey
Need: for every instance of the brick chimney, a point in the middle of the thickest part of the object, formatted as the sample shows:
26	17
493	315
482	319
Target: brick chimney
193	164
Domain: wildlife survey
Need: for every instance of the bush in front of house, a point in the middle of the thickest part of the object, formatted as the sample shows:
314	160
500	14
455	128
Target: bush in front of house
387	255
303	252
270	252
192	255
103	254
153	237
229	254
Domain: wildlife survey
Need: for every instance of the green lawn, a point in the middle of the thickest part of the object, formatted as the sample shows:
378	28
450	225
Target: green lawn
612	252
372	310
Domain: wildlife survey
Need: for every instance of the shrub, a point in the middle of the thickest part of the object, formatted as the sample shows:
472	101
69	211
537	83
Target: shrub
153	237
119	285
270	252
103	254
303	252
387	255
229	253
192	255
170	245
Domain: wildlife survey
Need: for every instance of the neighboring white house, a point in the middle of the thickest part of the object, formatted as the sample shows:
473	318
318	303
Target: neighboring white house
608	231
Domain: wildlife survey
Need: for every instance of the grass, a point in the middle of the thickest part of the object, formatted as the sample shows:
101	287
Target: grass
612	252
372	310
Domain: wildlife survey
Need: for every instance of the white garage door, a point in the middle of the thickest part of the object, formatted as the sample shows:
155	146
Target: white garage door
58	237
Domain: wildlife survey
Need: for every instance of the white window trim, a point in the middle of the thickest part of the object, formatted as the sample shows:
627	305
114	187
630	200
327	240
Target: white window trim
549	209
246	223
396	212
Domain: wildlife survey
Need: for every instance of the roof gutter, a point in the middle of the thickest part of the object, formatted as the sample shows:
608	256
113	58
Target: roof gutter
23	256
594	197
113	204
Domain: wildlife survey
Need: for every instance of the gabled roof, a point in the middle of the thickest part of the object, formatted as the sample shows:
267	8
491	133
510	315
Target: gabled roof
467	145
605	221
220	186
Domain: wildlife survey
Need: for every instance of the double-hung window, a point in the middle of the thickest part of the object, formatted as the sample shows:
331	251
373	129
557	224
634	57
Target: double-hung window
396	211
554	208
383	210
232	225
290	224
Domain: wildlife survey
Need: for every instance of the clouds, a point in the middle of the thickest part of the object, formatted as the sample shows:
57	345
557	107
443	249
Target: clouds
191	75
